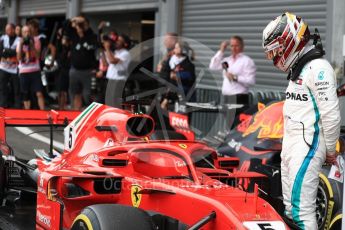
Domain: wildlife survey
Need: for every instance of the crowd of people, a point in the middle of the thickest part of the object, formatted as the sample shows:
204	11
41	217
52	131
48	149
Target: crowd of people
76	54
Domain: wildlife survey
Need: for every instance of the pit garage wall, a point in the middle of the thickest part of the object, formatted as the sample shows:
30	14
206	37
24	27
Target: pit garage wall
41	7
211	22
119	5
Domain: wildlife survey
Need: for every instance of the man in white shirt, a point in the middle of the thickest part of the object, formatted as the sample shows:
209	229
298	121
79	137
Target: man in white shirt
117	72
9	68
238	70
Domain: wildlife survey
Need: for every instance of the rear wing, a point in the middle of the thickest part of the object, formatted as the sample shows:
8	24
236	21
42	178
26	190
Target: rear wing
17	117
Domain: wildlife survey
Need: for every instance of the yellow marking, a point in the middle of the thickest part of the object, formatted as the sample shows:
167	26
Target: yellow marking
85	219
338	217
324	178
329	213
337	147
183	146
49	195
135	196
301	31
261	106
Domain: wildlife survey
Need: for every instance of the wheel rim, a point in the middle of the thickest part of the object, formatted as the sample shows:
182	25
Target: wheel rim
321	206
80	225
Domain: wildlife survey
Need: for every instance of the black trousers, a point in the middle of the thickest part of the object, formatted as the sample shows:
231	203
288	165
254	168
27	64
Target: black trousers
115	93
231	118
235	99
9	90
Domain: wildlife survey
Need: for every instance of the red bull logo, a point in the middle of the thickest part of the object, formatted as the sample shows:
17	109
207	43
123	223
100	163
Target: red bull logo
268	120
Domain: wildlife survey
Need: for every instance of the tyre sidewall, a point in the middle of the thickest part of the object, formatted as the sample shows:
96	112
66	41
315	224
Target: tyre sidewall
113	216
2	178
333	191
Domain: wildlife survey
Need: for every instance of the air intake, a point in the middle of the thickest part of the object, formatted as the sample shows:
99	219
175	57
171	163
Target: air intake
139	126
114	162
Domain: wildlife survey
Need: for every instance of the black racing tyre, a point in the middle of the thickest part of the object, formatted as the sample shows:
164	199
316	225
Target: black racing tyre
2	178
112	217
336	221
329	199
5	224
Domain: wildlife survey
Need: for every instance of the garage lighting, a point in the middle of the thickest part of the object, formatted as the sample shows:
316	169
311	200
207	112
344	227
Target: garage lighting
151	22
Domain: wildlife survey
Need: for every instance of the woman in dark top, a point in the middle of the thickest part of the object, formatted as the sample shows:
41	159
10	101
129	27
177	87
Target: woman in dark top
64	63
183	70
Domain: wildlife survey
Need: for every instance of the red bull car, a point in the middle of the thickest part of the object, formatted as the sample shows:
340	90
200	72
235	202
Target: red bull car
113	175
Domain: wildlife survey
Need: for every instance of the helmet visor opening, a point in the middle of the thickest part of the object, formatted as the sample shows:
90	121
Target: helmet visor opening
274	49
274	53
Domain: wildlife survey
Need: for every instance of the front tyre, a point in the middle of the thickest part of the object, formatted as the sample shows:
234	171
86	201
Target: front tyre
336	221
112	217
2	178
6	224
328	200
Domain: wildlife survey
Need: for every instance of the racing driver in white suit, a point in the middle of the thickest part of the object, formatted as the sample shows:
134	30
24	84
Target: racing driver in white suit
311	113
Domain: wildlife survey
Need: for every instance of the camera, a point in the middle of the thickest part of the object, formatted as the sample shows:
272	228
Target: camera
80	24
7	53
106	38
225	65
26	41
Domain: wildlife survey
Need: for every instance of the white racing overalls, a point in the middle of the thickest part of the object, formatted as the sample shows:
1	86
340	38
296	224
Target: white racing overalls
311	129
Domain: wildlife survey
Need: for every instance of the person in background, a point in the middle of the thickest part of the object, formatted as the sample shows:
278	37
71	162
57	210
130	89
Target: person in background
163	67
63	59
18	30
311	114
83	60
182	71
34	27
28	54
9	68
118	58
239	71
101	80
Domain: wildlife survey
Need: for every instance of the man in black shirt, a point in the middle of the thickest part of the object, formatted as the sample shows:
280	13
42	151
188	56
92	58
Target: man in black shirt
83	60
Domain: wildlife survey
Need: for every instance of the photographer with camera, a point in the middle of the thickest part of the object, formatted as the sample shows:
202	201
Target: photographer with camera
28	55
83	59
101	81
118	58
9	68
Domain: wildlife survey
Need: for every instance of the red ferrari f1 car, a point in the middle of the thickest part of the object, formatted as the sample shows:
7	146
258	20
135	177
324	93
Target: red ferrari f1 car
113	175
